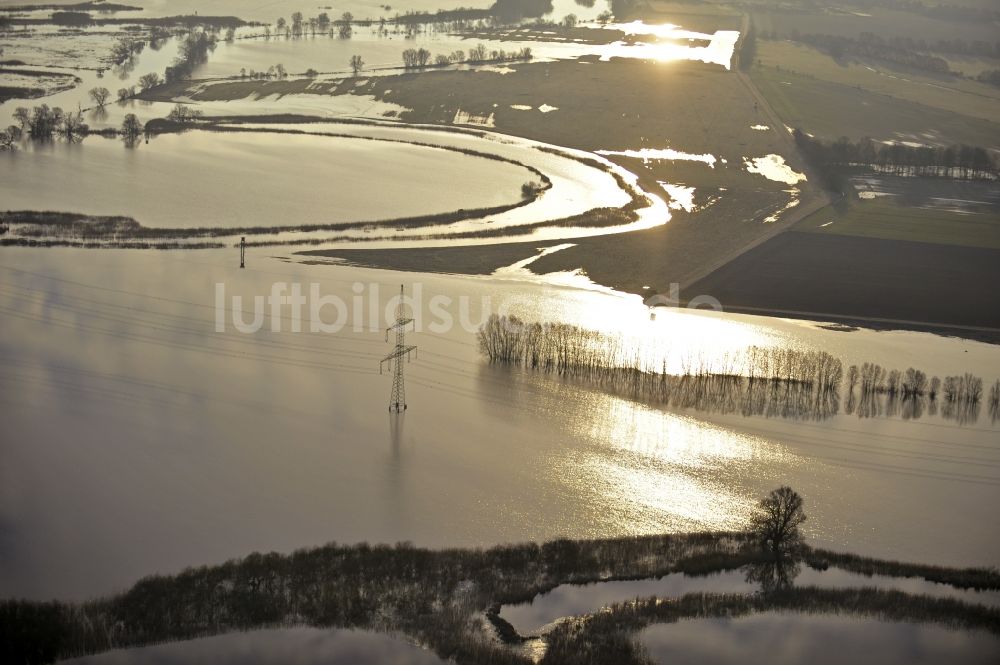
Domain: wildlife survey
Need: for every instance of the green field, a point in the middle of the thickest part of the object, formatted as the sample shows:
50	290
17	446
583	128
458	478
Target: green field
831	110
883	218
948	93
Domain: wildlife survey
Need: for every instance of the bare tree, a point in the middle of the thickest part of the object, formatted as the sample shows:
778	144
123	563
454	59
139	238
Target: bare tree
776	521
148	81
100	95
346	30
8	138
72	127
131	129
356	64
23	116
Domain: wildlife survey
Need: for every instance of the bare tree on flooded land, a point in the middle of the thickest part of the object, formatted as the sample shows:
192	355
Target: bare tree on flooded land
22	115
356	64
777	519
9	137
72	127
100	95
181	113
41	122
131	130
346	29
148	81
125	49
953	161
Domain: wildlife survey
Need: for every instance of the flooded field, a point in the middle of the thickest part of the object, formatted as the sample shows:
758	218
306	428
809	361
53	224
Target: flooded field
796	638
304	646
378	173
570	600
198	179
280	440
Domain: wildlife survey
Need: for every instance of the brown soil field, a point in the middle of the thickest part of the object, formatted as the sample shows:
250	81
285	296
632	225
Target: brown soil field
886	283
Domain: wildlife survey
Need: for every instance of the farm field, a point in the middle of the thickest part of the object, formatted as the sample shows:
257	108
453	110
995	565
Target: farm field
882	218
831	110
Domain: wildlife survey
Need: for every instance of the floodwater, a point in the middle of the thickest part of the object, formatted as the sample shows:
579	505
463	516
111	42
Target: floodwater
773	167
202	178
138	440
83	55
383	54
668	154
88	49
377	171
300	645
569	600
817	639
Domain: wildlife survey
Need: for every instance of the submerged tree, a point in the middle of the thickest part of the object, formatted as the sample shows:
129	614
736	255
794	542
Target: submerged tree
100	95
44	121
356	64
777	519
72	127
22	115
346	29
773	574
148	81
8	138
131	130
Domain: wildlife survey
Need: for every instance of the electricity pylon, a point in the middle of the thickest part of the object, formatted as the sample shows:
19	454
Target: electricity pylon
397	401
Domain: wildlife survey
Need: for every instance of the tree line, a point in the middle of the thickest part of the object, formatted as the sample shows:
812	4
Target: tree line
756	381
44	123
871	45
954	161
194	50
908	393
571	350
420	58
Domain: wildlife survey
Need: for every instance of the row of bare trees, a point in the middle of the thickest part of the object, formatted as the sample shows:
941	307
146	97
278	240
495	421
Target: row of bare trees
759	381
954	161
418	58
569	349
875	379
